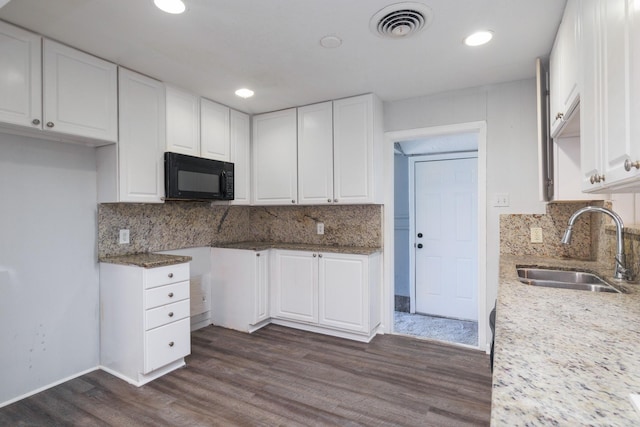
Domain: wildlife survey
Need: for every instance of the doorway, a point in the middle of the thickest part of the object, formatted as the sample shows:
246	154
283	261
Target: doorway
439	285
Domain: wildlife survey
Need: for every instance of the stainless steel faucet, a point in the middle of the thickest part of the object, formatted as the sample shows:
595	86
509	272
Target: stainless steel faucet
621	271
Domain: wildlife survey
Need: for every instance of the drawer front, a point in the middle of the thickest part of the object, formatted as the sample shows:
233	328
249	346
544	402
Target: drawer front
155	297
165	275
166	344
166	314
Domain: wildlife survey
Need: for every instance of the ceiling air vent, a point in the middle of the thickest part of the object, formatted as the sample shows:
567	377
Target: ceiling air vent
401	20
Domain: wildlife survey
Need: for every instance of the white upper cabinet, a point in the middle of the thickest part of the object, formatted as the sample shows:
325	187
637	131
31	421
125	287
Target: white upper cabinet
20	77
240	135
563	75
183	122
214	130
142	138
80	93
274	157
315	153
609	133
357	149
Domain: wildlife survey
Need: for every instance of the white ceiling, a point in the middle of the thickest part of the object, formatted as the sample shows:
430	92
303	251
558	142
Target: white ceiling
272	46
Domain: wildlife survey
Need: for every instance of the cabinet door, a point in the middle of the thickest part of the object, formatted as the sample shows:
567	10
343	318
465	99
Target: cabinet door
590	123
261	289
343	291
214	130
21	86
315	154
142	138
183	122
274	158
241	157
295	285
563	64
80	93
353	146
616	96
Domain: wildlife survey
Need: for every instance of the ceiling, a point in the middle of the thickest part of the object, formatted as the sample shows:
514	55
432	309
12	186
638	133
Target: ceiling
272	46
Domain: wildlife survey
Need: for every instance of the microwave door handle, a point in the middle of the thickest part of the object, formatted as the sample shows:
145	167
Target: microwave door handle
223	179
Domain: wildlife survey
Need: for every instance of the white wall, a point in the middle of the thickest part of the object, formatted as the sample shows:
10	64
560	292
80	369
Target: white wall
401	228
49	307
509	110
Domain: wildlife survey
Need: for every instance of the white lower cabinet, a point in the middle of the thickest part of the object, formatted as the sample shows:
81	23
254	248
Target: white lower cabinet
332	293
239	288
144	320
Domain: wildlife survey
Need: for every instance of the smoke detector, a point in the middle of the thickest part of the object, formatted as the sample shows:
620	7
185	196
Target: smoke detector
401	20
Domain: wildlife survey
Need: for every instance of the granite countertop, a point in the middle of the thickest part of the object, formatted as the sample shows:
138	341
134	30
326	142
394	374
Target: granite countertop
259	246
565	357
147	260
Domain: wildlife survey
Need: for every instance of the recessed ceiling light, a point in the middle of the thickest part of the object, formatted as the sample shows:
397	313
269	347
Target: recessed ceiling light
330	42
478	38
244	93
170	6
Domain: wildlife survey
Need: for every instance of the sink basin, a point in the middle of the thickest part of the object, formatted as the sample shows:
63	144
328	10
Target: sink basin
577	280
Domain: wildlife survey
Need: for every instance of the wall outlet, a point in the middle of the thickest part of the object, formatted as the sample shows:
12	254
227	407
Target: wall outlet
501	200
124	237
320	227
536	235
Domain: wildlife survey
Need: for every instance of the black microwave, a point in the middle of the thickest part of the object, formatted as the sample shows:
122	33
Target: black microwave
195	178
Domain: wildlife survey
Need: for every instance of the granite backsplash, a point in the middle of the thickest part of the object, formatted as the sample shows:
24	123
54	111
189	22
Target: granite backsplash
175	225
593	235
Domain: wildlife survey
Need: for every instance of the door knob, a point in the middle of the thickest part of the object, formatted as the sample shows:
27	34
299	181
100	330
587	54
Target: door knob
419	235
419	245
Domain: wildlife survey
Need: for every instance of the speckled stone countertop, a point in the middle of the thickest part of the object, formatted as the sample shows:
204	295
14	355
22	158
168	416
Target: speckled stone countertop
259	246
564	357
147	260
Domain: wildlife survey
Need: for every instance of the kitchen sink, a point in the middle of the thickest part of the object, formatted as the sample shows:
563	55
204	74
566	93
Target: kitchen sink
563	279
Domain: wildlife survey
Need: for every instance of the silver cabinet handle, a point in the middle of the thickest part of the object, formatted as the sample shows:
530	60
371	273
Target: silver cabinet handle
170	294
293	201
171	314
628	165
329	200
170	275
335	200
596	178
319	255
50	124
314	255
36	122
171	344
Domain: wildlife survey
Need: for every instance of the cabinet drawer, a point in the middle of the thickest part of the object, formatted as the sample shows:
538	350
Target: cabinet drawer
165	275
166	314
167	294
166	344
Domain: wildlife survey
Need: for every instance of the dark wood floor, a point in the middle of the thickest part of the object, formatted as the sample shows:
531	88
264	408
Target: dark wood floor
281	377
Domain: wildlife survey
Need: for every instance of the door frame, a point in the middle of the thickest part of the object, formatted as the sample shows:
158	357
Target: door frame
390	138
412	215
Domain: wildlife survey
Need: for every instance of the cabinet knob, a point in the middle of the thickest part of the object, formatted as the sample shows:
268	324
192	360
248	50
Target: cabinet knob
171	344
419	245
628	165
319	255
50	124
335	200
170	275
293	201
329	200
171	314
170	294
419	235
596	178
257	254
36	122
559	116
314	255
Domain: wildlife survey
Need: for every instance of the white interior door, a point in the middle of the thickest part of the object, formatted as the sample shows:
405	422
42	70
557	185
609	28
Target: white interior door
446	204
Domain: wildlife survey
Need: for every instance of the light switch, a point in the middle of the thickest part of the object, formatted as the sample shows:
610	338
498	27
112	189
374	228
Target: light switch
501	200
320	227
